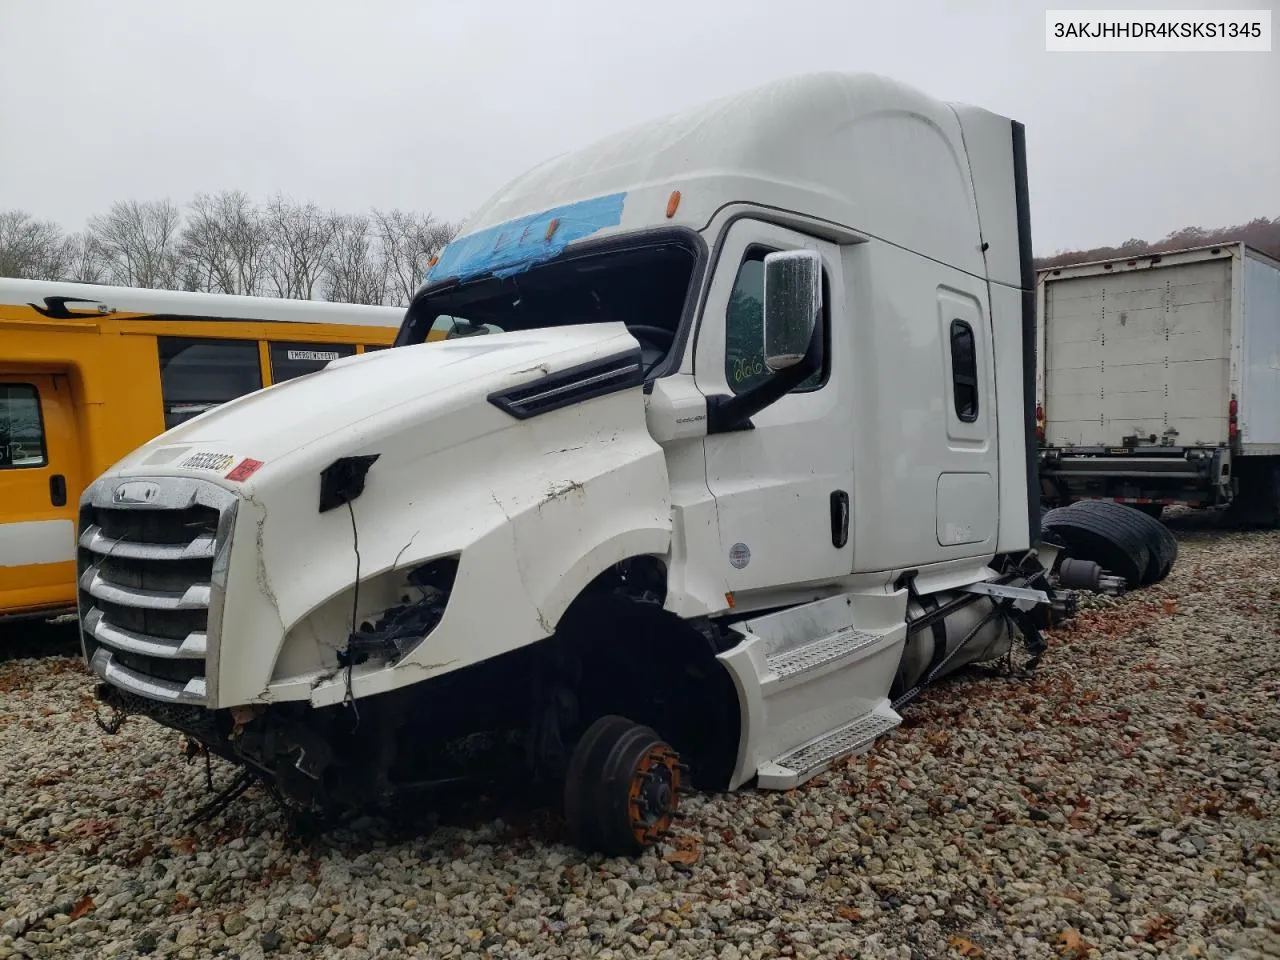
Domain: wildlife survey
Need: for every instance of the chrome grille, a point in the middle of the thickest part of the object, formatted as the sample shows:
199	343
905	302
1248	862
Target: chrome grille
152	557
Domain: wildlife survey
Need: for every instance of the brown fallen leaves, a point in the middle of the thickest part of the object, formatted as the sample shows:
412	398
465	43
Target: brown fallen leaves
965	947
687	851
1159	928
1071	945
83	906
136	856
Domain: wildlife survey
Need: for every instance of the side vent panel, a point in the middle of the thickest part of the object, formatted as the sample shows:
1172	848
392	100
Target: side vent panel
574	385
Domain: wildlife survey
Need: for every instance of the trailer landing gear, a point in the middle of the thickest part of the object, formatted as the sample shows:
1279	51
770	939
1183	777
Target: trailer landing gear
622	787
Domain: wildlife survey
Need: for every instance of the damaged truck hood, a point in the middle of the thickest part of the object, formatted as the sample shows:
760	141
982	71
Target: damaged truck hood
357	400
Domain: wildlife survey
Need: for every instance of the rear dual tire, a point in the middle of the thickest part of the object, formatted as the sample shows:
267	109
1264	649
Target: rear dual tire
1127	542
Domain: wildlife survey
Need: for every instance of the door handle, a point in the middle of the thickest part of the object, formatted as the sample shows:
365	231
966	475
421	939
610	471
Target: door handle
58	490
839	518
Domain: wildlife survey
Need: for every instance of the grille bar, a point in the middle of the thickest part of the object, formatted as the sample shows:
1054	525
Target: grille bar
195	597
192	647
202	547
105	666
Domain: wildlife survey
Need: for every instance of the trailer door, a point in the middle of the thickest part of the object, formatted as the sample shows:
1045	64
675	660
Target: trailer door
1139	353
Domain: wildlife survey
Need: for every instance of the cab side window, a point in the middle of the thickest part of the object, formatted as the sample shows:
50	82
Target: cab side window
21	431
744	366
289	360
964	371
198	375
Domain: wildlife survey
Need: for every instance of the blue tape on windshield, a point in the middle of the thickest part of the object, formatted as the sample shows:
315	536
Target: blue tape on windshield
515	246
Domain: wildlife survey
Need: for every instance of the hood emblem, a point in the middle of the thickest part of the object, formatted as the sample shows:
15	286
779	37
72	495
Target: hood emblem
136	491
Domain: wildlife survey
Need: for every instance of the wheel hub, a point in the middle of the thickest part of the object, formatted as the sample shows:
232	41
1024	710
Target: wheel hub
653	793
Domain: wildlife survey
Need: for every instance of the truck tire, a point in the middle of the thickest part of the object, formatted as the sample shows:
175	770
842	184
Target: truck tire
1161	543
621	789
1116	543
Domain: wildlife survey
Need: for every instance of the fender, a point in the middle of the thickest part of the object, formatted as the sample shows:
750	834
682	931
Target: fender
534	515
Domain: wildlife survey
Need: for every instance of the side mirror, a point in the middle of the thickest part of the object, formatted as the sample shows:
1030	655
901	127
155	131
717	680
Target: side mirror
465	328
792	305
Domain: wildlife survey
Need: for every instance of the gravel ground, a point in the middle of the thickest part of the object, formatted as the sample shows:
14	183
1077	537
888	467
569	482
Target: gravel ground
1122	803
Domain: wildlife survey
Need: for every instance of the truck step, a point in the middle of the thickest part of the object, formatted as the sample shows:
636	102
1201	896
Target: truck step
813	656
814	681
809	759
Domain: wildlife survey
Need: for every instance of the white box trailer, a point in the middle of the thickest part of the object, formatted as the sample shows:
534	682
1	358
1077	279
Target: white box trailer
1159	380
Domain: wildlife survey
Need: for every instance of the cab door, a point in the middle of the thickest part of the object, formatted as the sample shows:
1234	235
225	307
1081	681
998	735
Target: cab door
783	488
39	490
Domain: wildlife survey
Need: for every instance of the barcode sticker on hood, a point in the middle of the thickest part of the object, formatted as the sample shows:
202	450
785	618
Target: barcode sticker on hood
208	461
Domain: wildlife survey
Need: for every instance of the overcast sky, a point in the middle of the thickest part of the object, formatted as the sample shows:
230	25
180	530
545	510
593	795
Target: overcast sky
434	104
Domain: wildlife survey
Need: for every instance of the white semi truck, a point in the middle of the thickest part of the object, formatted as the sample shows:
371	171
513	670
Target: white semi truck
1159	381
728	447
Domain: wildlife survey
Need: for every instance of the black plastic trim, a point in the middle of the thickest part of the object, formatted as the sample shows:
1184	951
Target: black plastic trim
343	480
839	518
55	308
574	385
1028	279
58	490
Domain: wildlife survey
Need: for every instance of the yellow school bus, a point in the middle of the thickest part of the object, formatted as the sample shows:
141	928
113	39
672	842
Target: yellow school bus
89	373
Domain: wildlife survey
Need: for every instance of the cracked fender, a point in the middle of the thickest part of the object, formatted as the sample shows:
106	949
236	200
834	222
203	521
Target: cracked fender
534	510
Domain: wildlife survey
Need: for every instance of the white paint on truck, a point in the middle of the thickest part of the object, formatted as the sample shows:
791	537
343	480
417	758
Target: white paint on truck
895	471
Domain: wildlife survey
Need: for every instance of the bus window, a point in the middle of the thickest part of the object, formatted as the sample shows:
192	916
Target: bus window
289	360
198	375
21	435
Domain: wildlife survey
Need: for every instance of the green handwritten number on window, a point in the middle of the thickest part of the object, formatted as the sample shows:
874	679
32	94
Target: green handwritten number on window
744	326
746	368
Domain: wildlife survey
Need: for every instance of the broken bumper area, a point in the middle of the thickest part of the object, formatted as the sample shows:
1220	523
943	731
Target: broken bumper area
289	755
369	754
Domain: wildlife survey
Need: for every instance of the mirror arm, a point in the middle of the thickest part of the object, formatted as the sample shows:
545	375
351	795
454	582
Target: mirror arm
730	412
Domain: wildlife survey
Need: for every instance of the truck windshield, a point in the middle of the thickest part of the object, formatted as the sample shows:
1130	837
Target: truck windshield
643	286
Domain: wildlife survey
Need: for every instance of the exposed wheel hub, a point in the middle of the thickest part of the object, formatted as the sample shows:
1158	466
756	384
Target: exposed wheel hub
654	793
622	787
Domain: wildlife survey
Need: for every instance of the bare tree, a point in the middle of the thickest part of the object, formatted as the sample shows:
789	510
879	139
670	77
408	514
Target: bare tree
300	238
225	245
82	260
30	249
407	241
138	243
355	273
74	258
